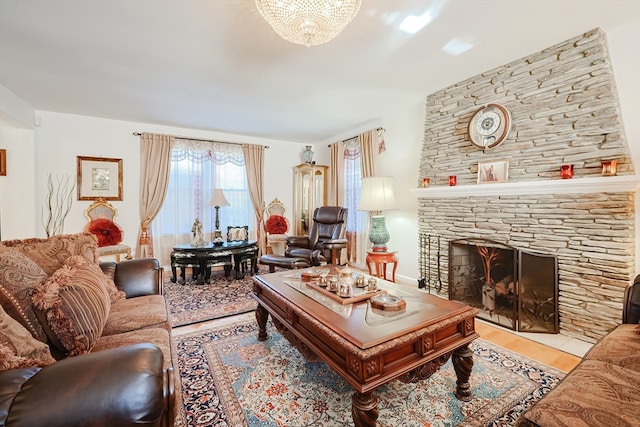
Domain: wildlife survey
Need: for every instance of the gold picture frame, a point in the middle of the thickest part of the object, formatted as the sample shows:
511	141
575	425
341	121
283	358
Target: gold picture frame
99	177
493	171
3	162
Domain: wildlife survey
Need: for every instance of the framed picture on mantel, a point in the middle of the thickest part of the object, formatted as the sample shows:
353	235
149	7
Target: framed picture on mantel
493	171
99	177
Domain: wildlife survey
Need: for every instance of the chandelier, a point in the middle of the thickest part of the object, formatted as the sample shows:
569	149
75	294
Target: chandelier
308	22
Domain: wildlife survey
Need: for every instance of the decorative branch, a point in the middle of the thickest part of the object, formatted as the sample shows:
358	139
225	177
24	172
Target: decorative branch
57	204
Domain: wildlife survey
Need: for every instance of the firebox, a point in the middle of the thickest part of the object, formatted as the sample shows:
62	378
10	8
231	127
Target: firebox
513	288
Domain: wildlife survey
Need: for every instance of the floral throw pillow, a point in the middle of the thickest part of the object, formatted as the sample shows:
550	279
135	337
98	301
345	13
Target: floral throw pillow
276	224
107	232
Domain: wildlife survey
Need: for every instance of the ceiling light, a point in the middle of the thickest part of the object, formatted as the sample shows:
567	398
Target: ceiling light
308	22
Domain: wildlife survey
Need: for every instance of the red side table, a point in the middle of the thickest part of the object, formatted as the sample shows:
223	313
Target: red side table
380	260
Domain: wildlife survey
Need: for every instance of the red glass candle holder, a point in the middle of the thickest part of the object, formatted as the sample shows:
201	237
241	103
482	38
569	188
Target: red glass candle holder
609	167
425	182
566	171
453	180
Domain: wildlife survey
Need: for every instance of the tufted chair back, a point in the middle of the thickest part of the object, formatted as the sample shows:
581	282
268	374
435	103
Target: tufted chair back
325	239
329	223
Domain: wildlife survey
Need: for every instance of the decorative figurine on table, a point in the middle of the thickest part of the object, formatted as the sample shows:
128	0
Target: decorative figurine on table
196	231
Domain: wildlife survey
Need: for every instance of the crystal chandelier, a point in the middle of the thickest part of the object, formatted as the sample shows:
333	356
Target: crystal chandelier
308	22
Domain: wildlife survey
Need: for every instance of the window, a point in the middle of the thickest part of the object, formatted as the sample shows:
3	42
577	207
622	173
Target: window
356	220
196	169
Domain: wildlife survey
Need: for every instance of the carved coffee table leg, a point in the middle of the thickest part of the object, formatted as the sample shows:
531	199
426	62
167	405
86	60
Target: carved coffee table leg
364	409
261	316
462	360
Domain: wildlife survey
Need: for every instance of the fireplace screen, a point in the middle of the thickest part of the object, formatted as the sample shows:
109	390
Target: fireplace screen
511	287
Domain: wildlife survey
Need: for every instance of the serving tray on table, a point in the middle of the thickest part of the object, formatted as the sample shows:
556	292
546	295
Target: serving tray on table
363	294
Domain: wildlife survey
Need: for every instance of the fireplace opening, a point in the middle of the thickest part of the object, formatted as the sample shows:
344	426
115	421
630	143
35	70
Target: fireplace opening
512	288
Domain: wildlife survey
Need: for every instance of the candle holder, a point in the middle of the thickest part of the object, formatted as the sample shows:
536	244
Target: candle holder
453	180
609	167
566	171
425	182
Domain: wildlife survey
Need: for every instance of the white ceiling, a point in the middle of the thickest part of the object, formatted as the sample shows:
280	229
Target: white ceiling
216	65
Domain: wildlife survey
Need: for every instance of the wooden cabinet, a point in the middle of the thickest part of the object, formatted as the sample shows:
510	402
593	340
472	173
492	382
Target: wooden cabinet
309	192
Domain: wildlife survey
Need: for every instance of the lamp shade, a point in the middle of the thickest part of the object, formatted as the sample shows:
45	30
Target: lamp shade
376	194
218	198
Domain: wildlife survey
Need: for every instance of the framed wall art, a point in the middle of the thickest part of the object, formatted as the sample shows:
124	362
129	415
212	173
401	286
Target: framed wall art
3	162
99	177
493	171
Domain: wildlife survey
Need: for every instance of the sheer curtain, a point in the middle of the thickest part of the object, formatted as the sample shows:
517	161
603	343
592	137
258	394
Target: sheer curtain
351	160
197	167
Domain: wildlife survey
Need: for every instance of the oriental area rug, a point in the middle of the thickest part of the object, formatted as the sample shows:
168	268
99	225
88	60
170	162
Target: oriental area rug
229	378
190	302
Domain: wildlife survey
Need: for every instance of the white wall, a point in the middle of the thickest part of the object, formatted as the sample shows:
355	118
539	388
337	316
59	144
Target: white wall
61	137
17	196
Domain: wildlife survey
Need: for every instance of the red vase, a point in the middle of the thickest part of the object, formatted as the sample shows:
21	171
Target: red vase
453	180
566	171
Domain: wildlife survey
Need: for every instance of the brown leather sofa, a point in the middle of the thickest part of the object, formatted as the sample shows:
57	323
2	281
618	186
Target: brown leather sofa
125	378
604	389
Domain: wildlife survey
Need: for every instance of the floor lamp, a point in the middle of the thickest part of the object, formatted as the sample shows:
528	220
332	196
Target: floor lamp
216	201
376	195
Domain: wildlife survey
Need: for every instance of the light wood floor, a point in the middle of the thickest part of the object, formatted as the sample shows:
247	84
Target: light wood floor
531	349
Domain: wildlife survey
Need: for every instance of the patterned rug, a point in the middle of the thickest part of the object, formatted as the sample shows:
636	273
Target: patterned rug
191	302
229	378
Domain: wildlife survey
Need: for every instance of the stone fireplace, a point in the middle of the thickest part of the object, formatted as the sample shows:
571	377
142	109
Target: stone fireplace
513	288
564	110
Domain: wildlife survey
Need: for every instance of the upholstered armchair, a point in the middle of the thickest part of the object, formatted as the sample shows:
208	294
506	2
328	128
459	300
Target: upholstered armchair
325	240
102	215
276	226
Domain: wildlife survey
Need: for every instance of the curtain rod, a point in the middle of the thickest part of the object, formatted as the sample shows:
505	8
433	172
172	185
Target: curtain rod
354	137
203	140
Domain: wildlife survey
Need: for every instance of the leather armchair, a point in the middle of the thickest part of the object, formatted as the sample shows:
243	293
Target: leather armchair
325	239
125	386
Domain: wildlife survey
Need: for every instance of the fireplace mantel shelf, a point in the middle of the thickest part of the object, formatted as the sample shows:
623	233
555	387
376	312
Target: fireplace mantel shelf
602	184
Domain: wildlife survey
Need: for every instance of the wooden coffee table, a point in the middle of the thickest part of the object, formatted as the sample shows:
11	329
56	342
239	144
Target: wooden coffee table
369	347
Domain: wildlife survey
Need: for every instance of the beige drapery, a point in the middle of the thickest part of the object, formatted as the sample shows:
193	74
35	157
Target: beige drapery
155	162
368	154
254	165
336	174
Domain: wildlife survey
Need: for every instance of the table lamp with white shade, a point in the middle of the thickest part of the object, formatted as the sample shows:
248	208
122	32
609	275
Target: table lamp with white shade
216	201
376	195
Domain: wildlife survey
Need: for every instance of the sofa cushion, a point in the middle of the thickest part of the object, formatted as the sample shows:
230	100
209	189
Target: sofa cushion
594	394
51	253
18	348
19	278
619	347
73	305
109	269
137	313
157	336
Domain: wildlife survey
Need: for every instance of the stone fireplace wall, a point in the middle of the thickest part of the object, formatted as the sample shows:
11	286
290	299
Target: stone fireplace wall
564	107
